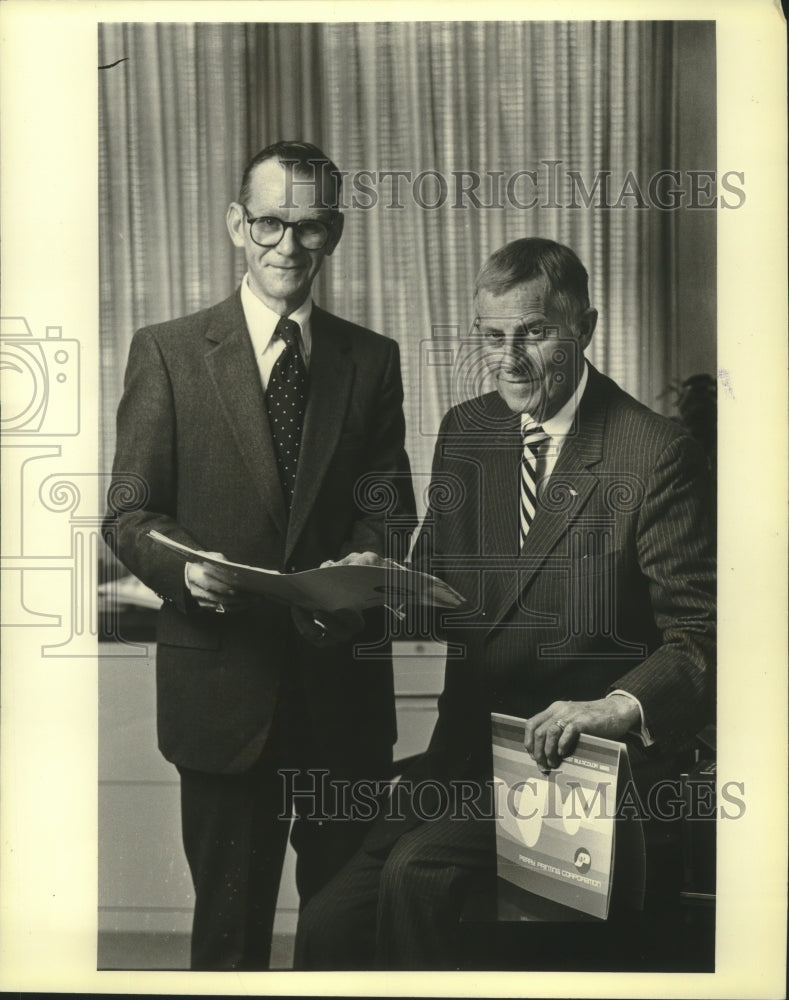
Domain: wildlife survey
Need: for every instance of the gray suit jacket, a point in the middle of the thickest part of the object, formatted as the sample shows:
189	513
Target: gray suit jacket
195	460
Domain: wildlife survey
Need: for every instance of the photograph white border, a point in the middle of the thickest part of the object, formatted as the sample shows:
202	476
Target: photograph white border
48	727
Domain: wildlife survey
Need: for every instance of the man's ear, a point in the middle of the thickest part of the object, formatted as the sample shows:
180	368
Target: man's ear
236	220
586	327
336	232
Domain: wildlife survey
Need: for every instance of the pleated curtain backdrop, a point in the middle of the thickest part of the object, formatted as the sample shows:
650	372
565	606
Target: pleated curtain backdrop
191	104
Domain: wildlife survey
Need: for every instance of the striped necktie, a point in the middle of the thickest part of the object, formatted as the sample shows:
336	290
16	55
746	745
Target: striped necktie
533	436
286	401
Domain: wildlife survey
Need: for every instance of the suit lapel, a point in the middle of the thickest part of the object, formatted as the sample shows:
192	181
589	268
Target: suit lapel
499	452
568	491
501	465
231	365
331	378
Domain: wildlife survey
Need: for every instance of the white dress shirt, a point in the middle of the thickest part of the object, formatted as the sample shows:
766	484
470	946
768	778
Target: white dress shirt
261	323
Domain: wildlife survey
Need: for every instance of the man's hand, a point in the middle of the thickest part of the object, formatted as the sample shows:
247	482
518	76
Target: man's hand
553	733
360	559
371	559
323	628
212	587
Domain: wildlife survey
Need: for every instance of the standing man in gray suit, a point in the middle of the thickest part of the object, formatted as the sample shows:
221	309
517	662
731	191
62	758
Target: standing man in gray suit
258	429
580	532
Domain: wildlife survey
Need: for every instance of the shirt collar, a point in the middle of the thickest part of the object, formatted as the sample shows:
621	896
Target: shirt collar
262	321
561	423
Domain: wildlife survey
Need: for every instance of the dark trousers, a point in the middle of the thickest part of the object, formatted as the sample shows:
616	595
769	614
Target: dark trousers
234	834
399	906
235	831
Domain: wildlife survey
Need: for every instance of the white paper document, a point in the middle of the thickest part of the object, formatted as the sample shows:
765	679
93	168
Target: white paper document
332	588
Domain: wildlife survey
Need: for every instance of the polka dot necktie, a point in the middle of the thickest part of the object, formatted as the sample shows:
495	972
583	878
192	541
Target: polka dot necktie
533	437
286	400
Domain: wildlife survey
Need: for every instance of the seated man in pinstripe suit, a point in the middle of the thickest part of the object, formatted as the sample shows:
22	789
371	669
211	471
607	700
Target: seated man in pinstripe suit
581	534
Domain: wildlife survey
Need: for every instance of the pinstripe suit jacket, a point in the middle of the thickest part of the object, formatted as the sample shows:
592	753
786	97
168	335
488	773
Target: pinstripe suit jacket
193	436
614	588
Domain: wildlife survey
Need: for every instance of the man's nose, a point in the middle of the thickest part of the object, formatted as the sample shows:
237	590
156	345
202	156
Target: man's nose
515	351
288	245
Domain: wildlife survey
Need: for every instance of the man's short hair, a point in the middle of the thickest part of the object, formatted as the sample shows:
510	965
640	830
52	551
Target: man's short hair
305	160
533	257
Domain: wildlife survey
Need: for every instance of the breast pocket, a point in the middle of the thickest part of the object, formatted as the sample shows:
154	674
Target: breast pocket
596	565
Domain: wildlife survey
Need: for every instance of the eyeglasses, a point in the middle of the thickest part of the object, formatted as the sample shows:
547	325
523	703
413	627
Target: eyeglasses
268	230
